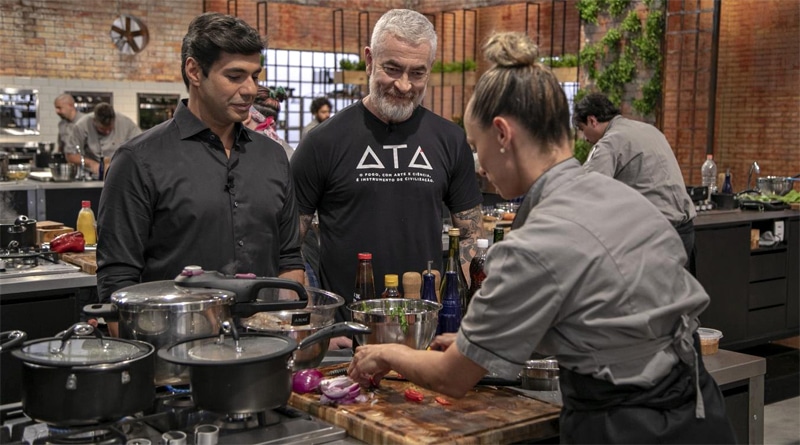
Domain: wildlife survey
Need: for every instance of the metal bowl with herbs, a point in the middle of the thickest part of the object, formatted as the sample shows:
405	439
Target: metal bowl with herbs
405	321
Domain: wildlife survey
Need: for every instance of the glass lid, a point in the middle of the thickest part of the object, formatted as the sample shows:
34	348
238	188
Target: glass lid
210	351
82	351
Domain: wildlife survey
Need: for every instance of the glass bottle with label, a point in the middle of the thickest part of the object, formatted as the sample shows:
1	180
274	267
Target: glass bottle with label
365	279
498	233
450	314
454	266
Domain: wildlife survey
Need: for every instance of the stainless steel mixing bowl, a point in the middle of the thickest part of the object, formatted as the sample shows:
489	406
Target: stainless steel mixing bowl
406	321
299	324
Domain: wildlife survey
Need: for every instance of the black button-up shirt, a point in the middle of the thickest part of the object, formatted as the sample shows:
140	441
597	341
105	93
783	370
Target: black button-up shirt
172	198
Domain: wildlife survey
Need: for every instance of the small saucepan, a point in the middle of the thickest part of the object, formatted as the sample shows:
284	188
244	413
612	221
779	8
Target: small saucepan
241	373
83	378
18	233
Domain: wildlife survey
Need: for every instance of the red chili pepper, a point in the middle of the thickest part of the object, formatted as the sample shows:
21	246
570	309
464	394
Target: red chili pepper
413	395
68	242
442	401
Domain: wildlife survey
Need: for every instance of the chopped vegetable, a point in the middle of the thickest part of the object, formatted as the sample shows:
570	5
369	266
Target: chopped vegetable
413	395
442	401
306	380
340	390
400	313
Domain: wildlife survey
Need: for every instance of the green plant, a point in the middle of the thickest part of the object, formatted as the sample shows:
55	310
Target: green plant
454	67
589	9
349	65
582	149
612	61
562	61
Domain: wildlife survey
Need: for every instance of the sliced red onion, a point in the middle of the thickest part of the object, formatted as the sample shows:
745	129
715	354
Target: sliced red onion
339	390
306	380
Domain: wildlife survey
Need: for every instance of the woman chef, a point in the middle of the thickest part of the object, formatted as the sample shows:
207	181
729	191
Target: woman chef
591	273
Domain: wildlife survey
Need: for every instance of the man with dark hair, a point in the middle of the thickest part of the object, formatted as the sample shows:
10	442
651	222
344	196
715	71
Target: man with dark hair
98	135
638	155
65	109
321	110
201	188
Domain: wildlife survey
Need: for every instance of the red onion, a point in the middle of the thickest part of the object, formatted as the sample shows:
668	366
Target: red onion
339	390
306	380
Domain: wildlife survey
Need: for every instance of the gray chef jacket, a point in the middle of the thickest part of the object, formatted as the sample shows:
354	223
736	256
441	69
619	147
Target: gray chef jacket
591	273
639	155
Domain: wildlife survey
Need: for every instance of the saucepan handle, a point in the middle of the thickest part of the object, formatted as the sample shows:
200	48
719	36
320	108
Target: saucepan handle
334	330
245	286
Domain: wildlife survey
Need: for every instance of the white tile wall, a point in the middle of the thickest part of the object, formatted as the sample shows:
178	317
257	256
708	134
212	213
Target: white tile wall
50	88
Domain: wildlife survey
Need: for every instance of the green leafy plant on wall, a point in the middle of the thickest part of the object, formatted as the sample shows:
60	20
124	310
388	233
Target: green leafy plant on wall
582	149
613	60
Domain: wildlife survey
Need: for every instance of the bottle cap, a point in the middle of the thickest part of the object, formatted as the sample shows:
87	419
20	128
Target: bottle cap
483	242
364	256
390	280
454	231
86	203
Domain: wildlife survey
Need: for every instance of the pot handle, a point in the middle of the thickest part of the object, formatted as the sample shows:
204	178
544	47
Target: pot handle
11	339
334	330
108	311
81	329
245	286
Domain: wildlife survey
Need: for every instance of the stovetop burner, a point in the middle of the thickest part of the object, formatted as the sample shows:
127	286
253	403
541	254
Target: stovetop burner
31	261
174	414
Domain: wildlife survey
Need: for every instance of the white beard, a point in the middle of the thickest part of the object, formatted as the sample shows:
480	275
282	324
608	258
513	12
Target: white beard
388	106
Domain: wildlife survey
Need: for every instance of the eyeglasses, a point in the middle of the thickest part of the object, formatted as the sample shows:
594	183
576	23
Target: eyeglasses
414	75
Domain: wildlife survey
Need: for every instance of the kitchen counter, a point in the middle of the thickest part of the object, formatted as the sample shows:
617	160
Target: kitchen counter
13	287
725	217
29	184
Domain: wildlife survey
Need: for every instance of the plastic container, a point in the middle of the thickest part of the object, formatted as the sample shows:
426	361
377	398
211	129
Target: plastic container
86	223
709	340
708	172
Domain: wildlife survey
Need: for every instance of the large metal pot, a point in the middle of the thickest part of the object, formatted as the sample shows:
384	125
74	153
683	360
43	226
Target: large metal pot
18	233
194	304
244	373
301	323
78	380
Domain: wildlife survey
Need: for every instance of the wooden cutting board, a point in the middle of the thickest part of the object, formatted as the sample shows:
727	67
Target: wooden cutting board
86	260
486	415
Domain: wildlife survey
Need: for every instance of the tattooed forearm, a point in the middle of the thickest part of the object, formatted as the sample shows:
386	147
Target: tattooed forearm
305	225
471	224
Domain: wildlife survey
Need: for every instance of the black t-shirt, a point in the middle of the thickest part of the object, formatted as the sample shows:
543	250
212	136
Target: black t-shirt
380	188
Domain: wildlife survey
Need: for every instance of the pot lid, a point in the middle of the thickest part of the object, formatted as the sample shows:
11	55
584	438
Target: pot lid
78	351
167	293
212	351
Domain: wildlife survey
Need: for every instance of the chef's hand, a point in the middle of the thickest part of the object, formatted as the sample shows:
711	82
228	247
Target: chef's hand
442	342
340	343
367	367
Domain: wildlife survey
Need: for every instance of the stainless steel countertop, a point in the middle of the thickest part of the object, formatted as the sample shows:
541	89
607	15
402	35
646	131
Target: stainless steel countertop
38	283
29	184
726	217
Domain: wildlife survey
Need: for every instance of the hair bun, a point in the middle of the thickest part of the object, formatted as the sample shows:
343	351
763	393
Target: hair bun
511	49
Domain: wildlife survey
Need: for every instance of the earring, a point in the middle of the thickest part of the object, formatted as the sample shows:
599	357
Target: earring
502	150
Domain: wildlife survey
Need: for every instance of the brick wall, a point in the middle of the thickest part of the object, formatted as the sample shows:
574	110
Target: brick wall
758	88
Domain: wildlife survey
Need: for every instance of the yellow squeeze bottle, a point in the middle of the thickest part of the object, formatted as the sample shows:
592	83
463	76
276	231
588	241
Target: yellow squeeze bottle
86	223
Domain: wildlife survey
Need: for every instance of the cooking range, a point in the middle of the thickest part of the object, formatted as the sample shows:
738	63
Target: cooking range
174	419
25	262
